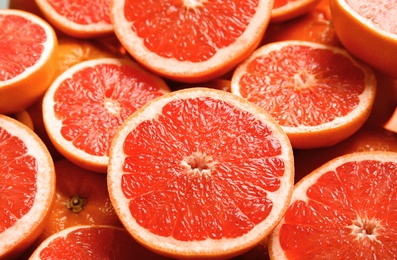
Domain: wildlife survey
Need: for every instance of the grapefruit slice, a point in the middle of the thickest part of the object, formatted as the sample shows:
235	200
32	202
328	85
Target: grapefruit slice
27	187
200	173
28	59
86	104
368	29
92	242
318	93
80	19
190	41
343	209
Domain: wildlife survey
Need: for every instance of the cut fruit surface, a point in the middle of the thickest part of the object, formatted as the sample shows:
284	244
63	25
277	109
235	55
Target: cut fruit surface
200	173
28	59
92	242
344	208
318	93
87	103
81	19
190	41
368	29
27	187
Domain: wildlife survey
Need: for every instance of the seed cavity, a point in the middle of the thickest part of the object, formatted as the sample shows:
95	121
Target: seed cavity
199	163
363	228
112	106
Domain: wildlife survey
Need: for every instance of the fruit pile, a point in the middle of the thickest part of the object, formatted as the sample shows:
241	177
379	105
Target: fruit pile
198	129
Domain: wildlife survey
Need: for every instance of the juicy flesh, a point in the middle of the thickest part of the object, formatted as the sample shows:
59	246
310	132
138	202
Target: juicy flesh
17	179
189	30
21	45
350	212
382	14
315	88
84	12
95	101
201	170
93	243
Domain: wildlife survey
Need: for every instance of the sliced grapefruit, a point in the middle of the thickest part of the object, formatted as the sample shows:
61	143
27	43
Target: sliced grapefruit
86	104
28	59
345	209
92	242
368	29
190	41
81	19
318	93
200	173
27	187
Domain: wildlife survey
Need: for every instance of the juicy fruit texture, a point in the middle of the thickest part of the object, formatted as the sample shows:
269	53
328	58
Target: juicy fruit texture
200	173
27	186
92	242
319	94
344	208
28	49
86	104
81	19
192	41
81	199
284	10
368	30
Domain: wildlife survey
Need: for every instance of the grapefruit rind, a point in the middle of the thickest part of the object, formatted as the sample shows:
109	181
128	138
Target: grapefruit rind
170	246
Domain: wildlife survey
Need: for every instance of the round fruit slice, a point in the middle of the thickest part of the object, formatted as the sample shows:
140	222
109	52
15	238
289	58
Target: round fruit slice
87	103
81	19
28	59
318	93
82	198
368	29
92	242
200	173
27	187
284	10
344	208
190	41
